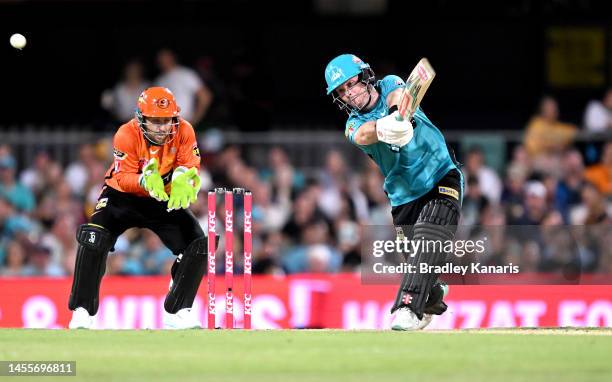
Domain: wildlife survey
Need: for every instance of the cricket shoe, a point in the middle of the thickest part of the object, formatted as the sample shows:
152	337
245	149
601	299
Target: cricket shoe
405	319
183	319
81	319
435	303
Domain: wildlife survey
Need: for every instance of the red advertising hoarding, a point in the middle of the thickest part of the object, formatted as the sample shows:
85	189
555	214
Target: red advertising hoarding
309	301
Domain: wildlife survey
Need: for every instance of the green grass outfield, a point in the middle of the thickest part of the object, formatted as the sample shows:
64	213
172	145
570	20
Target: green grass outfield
319	355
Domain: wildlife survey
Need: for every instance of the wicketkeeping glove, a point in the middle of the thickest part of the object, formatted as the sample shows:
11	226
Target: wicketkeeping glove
185	187
151	181
393	131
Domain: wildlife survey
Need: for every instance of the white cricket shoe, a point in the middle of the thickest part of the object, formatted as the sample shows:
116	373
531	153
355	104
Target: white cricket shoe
427	318
405	319
81	319
183	319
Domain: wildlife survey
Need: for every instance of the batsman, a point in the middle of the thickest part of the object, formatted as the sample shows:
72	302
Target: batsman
422	179
151	183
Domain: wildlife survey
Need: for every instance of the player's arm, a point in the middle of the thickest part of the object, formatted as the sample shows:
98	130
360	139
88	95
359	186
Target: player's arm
366	134
126	168
188	154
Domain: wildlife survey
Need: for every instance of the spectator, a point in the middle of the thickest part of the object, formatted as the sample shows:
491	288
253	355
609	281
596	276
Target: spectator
60	241
77	172
192	95
488	181
40	264
12	226
546	137
601	174
15	260
568	190
598	114
119	101
535	208
158	259
19	195
474	203
35	177
512	196
594	209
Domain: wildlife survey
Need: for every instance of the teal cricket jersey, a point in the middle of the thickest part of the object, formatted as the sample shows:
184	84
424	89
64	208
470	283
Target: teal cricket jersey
418	166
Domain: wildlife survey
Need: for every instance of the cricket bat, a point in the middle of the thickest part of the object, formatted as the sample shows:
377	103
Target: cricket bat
416	86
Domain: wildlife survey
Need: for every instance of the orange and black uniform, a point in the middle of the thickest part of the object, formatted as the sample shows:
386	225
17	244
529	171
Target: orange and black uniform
124	203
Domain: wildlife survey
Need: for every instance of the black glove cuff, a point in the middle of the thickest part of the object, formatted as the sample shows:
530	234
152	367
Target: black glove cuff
392	109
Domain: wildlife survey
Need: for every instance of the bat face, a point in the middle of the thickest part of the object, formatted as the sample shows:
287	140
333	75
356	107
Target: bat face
416	86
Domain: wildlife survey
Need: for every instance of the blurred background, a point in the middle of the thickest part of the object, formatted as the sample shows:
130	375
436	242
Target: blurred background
522	93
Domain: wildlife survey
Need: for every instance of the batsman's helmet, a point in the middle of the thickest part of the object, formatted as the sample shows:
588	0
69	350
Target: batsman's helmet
341	69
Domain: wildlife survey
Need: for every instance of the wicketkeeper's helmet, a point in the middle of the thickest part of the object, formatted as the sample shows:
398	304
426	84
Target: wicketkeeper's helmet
157	102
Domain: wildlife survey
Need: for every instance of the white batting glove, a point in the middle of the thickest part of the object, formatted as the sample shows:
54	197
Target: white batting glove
392	131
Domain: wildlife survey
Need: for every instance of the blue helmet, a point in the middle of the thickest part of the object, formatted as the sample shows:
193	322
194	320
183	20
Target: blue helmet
343	68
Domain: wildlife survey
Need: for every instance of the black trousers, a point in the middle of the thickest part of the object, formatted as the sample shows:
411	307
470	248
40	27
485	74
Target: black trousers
117	211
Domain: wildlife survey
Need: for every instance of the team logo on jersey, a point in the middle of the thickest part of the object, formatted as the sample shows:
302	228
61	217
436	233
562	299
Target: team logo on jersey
101	203
448	191
163	103
195	150
119	154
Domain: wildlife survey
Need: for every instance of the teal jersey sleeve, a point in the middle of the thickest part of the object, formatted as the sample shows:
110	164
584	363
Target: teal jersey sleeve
390	83
413	170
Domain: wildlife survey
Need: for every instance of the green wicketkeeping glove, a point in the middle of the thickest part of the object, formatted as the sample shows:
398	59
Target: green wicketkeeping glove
151	181
185	187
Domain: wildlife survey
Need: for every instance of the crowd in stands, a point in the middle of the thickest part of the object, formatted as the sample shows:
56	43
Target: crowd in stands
315	223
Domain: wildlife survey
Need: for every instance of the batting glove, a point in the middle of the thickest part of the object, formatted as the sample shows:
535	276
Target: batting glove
185	187
394	130
151	181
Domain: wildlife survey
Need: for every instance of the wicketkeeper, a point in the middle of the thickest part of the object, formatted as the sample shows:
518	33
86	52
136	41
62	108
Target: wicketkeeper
153	180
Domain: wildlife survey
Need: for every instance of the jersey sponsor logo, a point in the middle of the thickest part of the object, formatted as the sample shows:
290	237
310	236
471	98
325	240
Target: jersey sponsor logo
101	203
119	154
449	191
153	151
195	150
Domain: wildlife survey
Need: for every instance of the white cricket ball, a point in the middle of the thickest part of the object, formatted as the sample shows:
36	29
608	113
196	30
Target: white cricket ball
18	41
